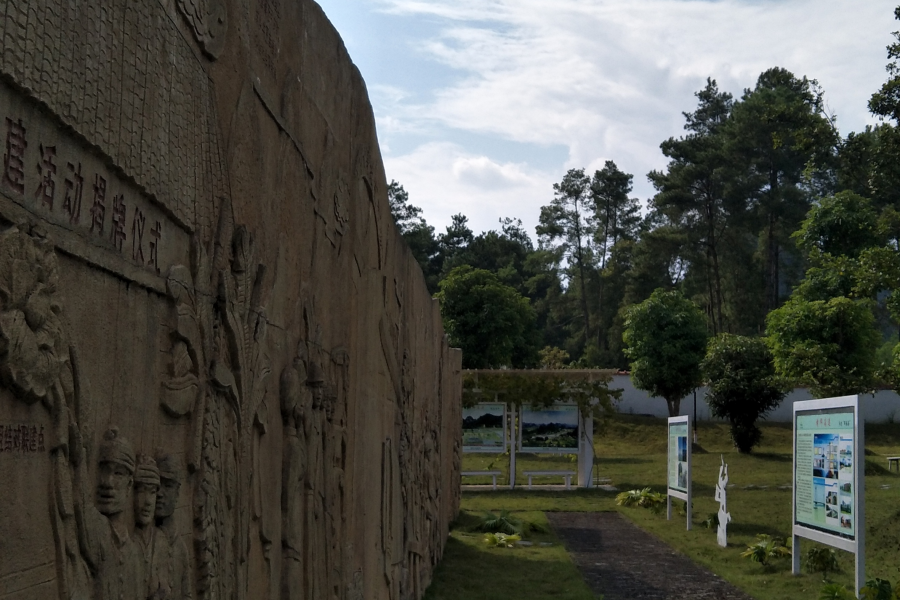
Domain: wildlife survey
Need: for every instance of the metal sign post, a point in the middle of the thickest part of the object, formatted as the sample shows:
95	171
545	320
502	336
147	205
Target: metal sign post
829	478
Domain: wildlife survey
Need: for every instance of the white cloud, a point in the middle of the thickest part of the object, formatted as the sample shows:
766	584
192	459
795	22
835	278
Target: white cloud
448	181
609	79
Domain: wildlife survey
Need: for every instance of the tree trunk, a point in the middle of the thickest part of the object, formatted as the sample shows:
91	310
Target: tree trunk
674	406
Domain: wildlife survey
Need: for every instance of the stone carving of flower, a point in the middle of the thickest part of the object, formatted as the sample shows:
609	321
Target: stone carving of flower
32	342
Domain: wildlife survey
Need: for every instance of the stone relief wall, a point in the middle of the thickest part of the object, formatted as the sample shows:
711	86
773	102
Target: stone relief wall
221	374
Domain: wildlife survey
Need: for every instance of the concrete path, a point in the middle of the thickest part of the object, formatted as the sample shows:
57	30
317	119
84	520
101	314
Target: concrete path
622	562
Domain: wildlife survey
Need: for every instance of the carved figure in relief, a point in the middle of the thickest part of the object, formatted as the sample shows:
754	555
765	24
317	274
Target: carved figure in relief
171	564
335	449
146	487
294	394
208	20
315	483
181	389
115	561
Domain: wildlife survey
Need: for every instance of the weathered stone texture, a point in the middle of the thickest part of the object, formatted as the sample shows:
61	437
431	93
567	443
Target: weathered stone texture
221	374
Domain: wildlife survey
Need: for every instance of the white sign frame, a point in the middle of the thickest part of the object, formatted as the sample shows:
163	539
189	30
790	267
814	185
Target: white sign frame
542	450
496	449
687	494
857	544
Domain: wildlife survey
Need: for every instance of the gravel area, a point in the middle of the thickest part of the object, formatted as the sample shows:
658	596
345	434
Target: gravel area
623	562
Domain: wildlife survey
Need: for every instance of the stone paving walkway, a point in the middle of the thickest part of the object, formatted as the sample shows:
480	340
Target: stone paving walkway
622	562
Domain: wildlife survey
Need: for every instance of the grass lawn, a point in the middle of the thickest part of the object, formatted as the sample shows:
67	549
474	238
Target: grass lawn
631	452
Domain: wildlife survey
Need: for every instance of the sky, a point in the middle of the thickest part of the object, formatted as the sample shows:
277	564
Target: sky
482	105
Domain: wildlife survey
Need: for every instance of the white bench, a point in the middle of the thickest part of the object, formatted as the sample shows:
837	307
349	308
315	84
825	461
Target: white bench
567	475
893	460
491	474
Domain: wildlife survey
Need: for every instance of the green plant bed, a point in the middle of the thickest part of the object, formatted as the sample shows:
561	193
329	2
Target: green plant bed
473	570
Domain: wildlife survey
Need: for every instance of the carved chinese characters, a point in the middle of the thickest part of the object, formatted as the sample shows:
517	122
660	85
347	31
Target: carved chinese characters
55	176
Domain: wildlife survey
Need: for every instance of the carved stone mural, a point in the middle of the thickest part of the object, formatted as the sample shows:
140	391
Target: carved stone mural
221	374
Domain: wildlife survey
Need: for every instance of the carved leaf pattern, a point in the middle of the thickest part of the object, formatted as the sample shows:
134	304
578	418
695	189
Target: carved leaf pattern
32	344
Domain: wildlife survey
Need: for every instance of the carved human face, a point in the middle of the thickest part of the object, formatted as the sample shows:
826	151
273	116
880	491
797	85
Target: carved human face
114	488
166	497
144	503
318	394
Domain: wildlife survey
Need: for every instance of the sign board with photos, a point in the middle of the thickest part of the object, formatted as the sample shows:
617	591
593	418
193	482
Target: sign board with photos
829	466
551	429
484	428
679	464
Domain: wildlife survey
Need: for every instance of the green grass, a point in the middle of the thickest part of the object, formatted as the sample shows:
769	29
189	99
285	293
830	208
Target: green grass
471	570
631	452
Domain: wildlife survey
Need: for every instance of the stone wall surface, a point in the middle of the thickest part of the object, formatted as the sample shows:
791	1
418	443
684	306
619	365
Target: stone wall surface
221	373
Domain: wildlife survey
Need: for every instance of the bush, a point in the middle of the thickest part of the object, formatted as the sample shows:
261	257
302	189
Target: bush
742	385
501	540
645	498
503	523
765	549
834	591
821	560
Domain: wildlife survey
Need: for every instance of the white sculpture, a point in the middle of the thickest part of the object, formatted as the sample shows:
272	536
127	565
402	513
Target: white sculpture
724	515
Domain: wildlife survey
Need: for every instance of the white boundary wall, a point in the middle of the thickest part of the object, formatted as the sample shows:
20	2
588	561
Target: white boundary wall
877	408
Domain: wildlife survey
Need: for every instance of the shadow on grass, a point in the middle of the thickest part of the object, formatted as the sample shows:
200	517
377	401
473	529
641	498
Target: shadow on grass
754	529
475	573
773	456
629	460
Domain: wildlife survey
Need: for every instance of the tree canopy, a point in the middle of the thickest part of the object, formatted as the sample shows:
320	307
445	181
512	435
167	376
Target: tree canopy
666	340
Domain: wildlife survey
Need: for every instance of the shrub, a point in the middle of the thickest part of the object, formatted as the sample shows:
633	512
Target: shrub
503	523
765	549
501	540
645	498
834	591
821	560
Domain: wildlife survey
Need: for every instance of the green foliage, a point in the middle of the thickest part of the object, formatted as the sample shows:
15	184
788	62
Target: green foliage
822	560
490	321
588	389
553	358
878	589
501	540
503	523
834	591
711	521
766	549
841	225
645	498
828	345
666	340
886	101
742	384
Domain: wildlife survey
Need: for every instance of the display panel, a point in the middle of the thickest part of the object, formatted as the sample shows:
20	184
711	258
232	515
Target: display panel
824	464
484	428
678	457
550	429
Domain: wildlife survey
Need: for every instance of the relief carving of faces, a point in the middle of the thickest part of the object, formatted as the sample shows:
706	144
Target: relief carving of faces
144	503
166	497
114	488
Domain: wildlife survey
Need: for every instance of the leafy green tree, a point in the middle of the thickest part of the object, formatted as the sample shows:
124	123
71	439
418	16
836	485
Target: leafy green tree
666	341
418	234
694	185
844	224
566	228
886	101
742	384
490	321
777	139
616	218
828	345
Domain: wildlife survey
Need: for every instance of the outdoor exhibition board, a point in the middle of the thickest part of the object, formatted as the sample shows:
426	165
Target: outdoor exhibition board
679	464
484	428
828	482
551	429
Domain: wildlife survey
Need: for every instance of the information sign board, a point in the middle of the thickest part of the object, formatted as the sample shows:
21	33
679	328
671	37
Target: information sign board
552	429
484	428
679	464
829	476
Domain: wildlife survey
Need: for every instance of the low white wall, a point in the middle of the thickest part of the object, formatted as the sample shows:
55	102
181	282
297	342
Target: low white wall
876	408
